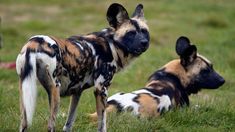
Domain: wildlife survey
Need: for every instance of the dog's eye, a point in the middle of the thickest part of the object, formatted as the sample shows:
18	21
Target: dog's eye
131	33
207	70
144	31
129	36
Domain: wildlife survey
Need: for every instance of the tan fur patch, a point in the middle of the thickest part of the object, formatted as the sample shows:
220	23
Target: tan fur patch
46	48
150	84
174	67
127	26
148	106
197	66
123	29
72	49
125	60
90	36
159	85
69	58
94	117
31	45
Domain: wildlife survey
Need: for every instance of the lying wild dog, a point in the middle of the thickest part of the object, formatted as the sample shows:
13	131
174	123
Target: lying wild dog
66	67
170	86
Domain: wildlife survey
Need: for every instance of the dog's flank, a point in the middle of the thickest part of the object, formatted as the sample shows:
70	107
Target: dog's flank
66	67
171	85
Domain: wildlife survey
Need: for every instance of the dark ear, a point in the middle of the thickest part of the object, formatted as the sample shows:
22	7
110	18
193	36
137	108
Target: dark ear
182	44
116	15
186	51
139	12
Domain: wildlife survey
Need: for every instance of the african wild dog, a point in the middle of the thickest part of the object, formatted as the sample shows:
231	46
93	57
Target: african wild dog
170	86
66	67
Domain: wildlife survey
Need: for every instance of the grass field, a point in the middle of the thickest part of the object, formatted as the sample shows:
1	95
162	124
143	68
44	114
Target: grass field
208	23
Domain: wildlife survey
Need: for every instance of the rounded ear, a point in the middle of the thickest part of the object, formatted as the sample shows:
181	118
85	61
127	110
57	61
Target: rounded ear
116	15
185	50
139	12
182	44
189	55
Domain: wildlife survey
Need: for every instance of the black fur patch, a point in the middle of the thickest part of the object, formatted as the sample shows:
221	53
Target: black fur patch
134	22
27	66
115	103
40	40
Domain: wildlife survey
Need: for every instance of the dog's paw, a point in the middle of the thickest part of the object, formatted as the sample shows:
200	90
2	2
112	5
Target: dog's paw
93	117
66	129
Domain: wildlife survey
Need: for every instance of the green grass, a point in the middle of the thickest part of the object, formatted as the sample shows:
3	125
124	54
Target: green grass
208	23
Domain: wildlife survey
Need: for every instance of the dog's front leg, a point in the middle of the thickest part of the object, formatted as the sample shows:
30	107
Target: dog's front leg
101	100
54	99
72	112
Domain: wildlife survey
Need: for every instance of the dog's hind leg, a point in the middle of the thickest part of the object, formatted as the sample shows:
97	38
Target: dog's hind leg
51	84
72	112
54	106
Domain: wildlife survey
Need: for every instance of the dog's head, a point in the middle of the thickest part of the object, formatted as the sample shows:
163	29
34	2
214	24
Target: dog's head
194	70
131	34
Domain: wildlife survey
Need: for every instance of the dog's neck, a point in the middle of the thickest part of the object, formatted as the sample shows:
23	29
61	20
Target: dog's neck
106	37
174	67
162	81
120	54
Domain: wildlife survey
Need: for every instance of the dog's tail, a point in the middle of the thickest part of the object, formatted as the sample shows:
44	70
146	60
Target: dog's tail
26	69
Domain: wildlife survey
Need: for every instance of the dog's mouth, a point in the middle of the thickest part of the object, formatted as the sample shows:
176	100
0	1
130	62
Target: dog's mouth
139	51
136	51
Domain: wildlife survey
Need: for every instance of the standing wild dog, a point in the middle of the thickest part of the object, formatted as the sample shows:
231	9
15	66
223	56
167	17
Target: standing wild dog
171	85
66	67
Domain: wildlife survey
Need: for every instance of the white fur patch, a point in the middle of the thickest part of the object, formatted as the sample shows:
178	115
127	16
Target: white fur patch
48	61
99	81
92	48
20	61
78	44
104	30
126	101
164	103
113	50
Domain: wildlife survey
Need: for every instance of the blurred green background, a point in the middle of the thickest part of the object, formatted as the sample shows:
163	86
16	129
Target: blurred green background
208	23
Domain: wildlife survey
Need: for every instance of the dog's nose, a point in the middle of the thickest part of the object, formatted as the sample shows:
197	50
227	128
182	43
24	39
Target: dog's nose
144	42
222	81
